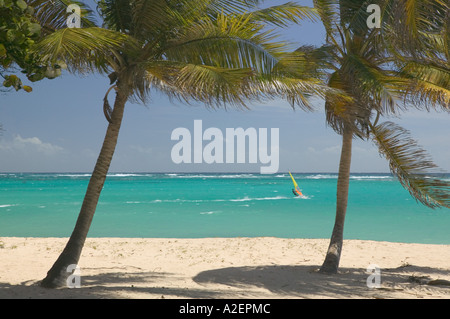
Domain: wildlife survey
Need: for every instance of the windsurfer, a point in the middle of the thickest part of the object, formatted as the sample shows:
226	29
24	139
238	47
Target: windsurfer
295	190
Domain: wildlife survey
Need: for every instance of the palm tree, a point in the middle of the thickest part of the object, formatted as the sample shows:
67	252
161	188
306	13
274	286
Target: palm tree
381	75
208	51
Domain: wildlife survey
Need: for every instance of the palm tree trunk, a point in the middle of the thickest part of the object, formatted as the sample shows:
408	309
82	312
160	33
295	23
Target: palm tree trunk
57	275
331	263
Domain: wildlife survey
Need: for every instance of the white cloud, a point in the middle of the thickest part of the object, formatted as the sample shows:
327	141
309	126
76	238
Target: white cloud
31	154
31	144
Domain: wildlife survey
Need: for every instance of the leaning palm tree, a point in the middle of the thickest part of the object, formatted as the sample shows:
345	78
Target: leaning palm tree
381	75
208	51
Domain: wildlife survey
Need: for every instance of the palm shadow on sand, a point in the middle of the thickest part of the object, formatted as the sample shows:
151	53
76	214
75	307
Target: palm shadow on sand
307	282
276	281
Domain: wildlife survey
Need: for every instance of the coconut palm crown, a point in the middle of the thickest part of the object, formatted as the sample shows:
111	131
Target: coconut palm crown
403	64
218	52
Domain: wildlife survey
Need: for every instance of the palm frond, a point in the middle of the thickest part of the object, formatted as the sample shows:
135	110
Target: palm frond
328	11
228	41
351	109
52	15
417	26
116	14
148	18
429	83
214	86
297	91
411	165
371	84
284	14
83	49
323	56
304	63
194	10
300	75
230	6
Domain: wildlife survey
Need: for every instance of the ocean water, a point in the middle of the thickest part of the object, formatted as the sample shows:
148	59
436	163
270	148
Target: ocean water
218	205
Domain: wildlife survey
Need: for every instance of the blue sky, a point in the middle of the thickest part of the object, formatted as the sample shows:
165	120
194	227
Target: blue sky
60	126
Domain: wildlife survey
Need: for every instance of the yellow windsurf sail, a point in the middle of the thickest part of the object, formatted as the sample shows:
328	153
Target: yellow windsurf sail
293	180
296	189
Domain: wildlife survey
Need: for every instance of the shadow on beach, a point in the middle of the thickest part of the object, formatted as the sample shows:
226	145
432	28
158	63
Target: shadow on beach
272	281
307	282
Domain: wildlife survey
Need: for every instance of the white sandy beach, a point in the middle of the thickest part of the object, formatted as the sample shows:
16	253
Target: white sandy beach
243	268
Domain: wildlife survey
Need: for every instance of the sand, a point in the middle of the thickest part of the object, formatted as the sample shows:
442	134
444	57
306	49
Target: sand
219	268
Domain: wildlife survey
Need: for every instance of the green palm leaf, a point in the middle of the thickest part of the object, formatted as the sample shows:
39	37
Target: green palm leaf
212	7
214	86
142	18
228	41
116	14
429	84
297	91
371	83
149	17
417	27
411	165
284	14
328	11
83	49
301	74
52	15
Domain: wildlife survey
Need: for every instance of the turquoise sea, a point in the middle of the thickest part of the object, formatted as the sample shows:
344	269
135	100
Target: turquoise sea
218	205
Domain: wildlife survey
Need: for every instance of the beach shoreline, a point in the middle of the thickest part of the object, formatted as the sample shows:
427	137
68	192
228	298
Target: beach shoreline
227	268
